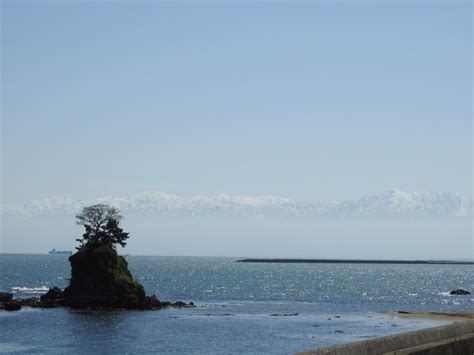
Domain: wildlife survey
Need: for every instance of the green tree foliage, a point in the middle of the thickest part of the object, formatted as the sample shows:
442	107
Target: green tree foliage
102	225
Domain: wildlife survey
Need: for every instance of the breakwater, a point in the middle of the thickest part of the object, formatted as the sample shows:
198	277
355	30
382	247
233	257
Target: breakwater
452	339
356	261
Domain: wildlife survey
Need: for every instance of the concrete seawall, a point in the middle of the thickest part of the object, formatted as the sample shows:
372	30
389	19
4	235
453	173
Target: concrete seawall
452	339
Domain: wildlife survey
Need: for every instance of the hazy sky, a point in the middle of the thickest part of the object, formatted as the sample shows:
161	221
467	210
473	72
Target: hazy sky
310	100
307	100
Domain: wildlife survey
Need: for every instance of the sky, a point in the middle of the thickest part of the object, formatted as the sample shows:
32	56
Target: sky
307	100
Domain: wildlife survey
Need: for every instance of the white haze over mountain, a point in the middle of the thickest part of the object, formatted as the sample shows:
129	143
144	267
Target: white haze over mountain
391	203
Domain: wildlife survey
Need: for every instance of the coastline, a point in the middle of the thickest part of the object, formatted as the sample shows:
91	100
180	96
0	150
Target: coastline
454	338
436	315
234	311
259	325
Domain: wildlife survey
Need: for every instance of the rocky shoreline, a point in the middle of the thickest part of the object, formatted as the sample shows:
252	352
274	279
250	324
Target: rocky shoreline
100	278
54	298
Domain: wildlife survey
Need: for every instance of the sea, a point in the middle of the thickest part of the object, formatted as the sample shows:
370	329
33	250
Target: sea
253	308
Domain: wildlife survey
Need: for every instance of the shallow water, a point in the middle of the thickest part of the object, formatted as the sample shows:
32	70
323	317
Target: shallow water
242	307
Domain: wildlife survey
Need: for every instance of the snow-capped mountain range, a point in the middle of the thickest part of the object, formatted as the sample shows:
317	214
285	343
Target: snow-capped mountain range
391	203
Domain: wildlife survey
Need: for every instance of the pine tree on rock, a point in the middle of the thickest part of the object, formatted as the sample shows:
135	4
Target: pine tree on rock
102	225
99	276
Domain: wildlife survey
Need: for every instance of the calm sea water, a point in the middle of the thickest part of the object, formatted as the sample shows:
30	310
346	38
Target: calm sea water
242	307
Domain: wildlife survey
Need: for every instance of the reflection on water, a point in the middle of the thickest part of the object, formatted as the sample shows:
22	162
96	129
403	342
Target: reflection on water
270	327
241	307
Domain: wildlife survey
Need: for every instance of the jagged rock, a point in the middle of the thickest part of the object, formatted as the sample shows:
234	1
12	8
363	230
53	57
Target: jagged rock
5	296
100	278
12	306
32	302
460	291
153	302
53	298
54	293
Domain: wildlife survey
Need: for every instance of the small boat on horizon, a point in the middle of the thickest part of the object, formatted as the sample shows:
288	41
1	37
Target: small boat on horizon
54	251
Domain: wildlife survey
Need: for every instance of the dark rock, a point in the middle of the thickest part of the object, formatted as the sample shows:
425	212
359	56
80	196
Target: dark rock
151	302
12	306
54	293
460	292
27	302
32	302
5	296
283	314
53	298
100	278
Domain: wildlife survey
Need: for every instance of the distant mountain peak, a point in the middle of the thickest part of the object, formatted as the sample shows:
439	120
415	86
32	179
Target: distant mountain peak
389	203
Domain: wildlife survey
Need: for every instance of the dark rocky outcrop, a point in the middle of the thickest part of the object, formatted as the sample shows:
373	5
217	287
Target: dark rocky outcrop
100	279
460	291
12	306
42	302
53	298
49	300
7	303
5	296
